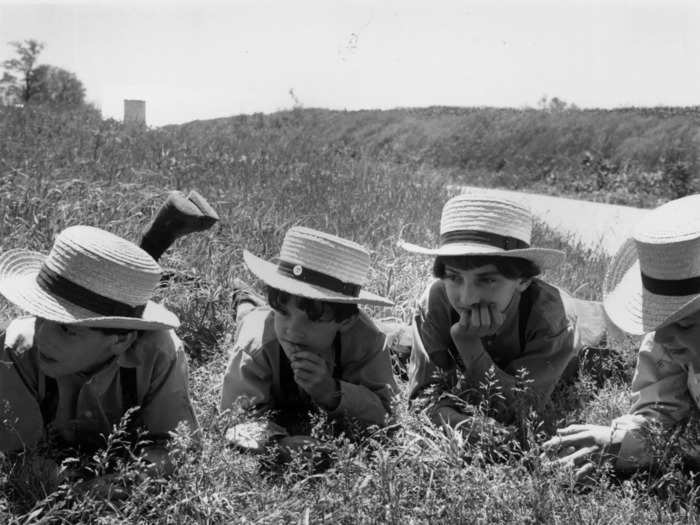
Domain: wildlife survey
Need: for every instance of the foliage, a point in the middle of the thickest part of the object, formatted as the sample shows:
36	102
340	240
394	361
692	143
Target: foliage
25	82
635	156
264	174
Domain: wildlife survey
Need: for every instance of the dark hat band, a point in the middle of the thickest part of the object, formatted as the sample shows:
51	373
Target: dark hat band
671	287
492	239
59	286
309	276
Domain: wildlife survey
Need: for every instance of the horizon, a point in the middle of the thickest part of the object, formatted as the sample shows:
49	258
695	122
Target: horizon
216	60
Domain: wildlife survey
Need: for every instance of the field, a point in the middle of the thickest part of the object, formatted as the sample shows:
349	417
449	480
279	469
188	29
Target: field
264	175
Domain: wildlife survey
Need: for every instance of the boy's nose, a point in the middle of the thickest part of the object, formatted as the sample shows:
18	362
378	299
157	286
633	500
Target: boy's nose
468	295
295	327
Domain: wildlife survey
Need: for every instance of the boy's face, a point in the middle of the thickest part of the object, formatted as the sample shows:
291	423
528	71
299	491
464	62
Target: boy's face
681	336
483	285
66	349
296	332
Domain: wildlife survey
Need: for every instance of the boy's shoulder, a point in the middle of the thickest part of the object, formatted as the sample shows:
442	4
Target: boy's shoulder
434	295
164	341
550	308
362	336
256	331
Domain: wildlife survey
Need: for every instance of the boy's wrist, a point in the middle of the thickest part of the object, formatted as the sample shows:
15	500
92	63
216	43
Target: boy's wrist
332	400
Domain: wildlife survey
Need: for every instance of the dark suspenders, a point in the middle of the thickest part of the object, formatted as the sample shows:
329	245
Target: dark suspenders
49	403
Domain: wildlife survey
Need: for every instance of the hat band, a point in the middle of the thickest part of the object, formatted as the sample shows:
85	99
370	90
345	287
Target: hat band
57	285
675	288
309	276
482	237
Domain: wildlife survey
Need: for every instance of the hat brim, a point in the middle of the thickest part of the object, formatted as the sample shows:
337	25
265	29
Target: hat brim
18	272
632	307
268	273
543	257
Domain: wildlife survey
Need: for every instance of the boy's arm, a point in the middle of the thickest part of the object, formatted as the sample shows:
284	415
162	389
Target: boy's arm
660	396
21	423
544	357
247	382
428	374
431	368
367	388
167	400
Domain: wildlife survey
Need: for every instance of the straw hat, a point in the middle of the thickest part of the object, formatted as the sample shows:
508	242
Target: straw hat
482	224
89	278
317	265
654	279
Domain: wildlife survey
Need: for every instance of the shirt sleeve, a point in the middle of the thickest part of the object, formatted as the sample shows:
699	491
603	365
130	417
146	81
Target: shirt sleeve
167	401
248	379
431	369
544	359
659	396
21	422
367	387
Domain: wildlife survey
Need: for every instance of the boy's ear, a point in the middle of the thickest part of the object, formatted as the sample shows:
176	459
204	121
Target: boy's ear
345	324
121	342
523	284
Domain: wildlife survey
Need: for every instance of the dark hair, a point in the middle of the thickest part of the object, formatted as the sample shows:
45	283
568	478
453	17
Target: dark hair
509	267
115	331
315	309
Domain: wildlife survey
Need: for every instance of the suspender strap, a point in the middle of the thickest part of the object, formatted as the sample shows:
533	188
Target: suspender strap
127	378
337	368
49	404
524	309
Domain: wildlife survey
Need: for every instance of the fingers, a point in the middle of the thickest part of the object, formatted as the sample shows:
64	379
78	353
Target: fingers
584	471
578	440
497	317
578	457
573	429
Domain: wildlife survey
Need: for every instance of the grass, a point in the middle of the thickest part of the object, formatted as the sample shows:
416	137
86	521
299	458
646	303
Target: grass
57	171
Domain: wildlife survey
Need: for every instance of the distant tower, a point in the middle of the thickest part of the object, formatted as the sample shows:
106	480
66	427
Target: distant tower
134	112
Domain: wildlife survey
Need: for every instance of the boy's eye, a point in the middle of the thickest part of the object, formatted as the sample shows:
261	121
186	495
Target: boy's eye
452	277
67	329
281	311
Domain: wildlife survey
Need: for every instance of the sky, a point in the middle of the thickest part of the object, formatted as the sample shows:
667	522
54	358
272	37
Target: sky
204	59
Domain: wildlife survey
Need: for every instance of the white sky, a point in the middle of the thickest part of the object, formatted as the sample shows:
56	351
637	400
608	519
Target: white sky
214	59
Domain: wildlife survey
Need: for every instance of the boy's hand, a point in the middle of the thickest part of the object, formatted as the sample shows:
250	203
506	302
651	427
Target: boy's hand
449	416
311	373
479	321
580	446
107	487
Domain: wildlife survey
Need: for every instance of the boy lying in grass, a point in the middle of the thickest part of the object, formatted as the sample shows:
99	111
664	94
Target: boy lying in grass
95	346
488	311
311	348
652	287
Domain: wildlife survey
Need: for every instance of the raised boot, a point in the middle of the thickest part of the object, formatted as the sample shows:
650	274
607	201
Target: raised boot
178	216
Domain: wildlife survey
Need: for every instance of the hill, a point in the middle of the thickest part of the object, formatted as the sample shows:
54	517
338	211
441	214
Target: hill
637	156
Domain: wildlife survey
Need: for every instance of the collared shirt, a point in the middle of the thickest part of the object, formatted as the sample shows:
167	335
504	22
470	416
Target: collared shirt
160	365
253	377
665	390
554	333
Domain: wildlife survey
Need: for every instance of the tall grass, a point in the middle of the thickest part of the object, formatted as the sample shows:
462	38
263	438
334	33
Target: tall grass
262	178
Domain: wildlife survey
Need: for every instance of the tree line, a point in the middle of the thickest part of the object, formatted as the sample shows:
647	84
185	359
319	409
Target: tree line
27	82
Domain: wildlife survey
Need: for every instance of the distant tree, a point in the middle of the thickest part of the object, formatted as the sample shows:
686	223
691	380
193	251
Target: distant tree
56	87
25	82
16	78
